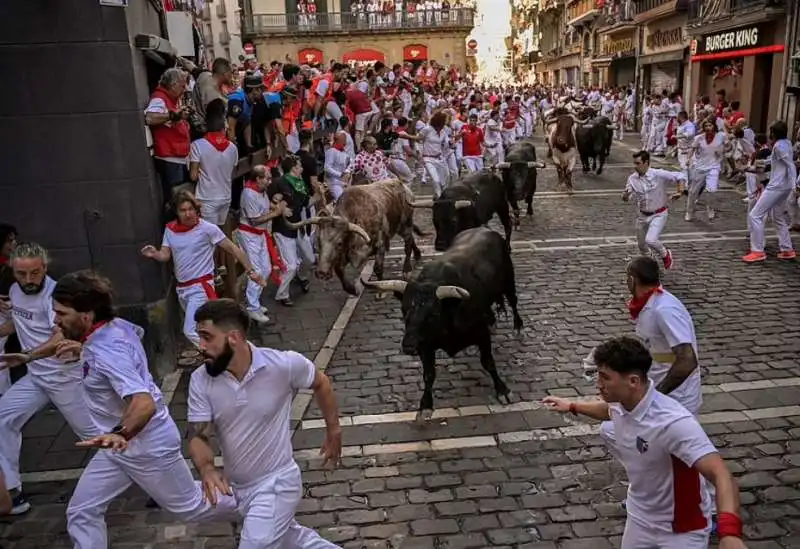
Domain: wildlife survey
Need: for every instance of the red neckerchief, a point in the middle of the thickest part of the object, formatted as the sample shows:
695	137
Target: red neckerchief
218	139
253	186
3	260
178	227
339	146
96	326
711	139
636	304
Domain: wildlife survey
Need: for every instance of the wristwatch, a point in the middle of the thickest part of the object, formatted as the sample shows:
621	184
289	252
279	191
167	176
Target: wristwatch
121	431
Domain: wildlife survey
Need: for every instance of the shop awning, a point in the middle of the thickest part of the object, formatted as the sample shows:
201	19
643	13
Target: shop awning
364	55
666	57
310	56
778	48
602	60
415	52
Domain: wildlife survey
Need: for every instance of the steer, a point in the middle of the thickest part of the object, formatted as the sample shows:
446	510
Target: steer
448	305
593	137
466	204
362	224
519	175
561	138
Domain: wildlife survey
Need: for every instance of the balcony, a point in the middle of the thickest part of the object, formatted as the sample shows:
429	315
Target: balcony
222	11
582	12
618	14
667	6
224	37
461	19
703	12
205	13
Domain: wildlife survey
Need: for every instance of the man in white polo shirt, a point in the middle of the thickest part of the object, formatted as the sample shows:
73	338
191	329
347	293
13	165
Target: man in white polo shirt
244	395
190	243
48	379
141	443
664	450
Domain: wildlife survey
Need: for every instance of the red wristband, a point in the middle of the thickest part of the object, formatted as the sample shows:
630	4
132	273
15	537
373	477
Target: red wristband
729	524
573	408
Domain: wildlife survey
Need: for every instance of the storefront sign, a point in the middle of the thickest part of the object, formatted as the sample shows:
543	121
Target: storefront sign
364	56
617	46
665	38
310	56
739	39
415	52
741	42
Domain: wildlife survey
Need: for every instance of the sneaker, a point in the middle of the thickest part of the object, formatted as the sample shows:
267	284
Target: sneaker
668	260
688	217
711	213
787	254
754	257
19	505
264	310
258	316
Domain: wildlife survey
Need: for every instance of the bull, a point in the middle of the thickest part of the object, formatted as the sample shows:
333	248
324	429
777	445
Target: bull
448	305
466	204
561	139
519	175
362	225
593	136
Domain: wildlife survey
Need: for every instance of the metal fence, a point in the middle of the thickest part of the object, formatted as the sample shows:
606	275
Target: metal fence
346	21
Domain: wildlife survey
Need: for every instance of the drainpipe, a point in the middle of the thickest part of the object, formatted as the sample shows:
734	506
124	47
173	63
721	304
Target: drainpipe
637	88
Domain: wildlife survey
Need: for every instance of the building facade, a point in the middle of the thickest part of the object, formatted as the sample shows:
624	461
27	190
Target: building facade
739	46
277	32
221	28
664	46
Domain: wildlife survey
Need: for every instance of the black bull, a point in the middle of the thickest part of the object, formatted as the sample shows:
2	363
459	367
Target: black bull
593	139
448	305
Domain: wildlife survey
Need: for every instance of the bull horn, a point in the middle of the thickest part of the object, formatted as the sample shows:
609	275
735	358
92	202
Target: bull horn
502	165
313	221
536	164
463	204
386	285
359	230
456	292
421	204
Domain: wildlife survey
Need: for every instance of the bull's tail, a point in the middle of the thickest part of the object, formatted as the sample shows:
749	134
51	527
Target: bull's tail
417	230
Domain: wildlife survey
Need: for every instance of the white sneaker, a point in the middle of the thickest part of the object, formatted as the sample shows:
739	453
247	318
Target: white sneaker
264	310
711	213
258	316
688	217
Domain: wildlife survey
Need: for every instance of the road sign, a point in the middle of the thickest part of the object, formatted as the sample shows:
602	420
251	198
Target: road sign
249	49
472	44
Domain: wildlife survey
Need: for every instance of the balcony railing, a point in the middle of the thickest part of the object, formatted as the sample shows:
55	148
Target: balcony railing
222	12
618	12
205	13
643	6
345	22
224	37
707	11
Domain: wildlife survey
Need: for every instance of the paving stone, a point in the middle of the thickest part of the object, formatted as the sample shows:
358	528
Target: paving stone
456	508
572	513
427	527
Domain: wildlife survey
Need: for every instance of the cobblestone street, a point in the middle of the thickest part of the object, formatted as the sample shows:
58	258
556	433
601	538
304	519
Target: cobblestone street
482	474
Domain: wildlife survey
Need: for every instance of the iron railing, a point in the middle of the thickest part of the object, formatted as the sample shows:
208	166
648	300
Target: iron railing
643	6
332	22
619	12
706	11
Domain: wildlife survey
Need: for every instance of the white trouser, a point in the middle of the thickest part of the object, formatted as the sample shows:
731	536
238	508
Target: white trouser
268	506
255	246
160	470
771	201
494	154
401	169
509	136
294	252
336	189
473	163
683	162
332	110
293	142
751	183
656	141
192	298
5	373
637	536
437	171
648	232
528	121
645	134
452	165
26	397
708	179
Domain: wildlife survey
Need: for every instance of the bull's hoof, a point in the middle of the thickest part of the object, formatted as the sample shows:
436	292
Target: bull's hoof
506	398
586	170
529	211
599	171
424	416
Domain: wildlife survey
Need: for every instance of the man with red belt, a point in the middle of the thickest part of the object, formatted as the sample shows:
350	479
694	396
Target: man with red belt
648	186
255	238
190	242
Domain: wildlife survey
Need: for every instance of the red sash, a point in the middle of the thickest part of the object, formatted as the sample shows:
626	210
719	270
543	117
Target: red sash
204	281
278	265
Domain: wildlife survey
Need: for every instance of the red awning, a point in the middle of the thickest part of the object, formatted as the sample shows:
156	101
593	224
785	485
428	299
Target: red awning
364	55
778	48
310	56
415	52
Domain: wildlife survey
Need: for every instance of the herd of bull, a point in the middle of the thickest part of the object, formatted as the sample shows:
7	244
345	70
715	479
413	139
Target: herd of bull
451	303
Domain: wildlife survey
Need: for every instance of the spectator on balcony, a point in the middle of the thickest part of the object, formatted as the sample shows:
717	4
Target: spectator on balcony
398	10
166	116
411	8
311	8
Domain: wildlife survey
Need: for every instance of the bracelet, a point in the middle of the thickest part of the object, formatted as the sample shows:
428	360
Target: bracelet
729	525
121	431
573	408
